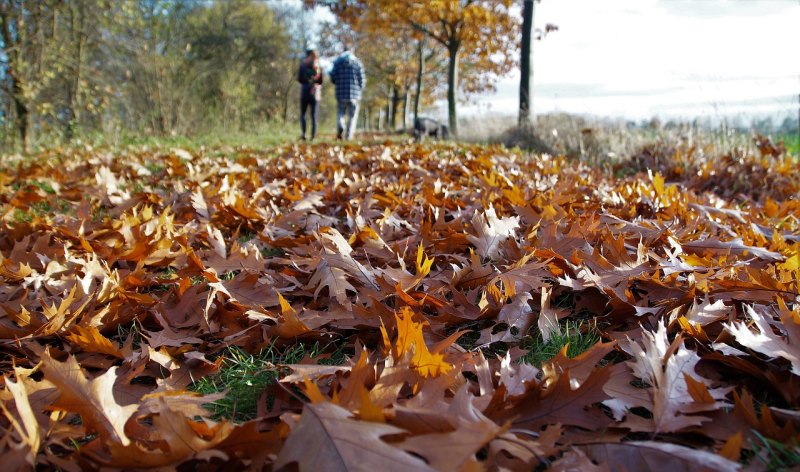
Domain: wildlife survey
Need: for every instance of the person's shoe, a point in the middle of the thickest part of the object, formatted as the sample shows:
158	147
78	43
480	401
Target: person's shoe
339	137
302	138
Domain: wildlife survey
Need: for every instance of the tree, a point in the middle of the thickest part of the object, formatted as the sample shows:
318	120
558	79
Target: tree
48	68
525	119
18	23
481	34
241	52
526	66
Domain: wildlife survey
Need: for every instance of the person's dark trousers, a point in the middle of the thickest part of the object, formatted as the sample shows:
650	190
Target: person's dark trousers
307	101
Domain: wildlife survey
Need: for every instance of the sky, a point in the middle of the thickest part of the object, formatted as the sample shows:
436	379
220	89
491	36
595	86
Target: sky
636	59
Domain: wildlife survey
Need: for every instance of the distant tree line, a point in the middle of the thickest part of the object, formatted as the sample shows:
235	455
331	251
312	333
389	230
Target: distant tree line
84	68
155	67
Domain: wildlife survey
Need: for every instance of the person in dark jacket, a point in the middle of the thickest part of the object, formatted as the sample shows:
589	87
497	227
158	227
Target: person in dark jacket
348	76
309	74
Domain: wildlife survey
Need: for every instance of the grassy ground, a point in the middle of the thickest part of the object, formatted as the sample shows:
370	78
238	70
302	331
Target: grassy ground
600	141
244	377
791	141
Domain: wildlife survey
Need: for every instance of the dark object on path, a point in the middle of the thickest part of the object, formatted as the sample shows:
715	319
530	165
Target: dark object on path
424	127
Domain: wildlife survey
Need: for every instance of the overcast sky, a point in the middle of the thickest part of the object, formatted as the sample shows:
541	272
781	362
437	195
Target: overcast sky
667	58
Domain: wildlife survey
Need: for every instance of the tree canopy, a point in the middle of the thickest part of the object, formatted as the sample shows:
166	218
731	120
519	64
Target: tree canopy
480	38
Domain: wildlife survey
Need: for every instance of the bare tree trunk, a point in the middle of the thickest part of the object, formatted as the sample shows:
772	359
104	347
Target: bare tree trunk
73	98
394	107
452	86
12	52
405	108
21	112
526	67
420	73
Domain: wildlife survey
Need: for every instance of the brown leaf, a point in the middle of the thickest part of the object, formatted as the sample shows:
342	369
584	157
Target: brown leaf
327	439
335	279
170	440
24	422
558	403
652	455
576	460
455	450
491	232
766	341
665	367
92	399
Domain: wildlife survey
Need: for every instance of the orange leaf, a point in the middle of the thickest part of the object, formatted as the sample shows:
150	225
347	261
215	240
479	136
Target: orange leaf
90	340
733	447
290	326
698	390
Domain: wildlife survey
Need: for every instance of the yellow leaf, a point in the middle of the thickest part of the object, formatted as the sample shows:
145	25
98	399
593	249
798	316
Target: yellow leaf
423	262
311	390
549	212
687	326
410	339
658	183
367	409
516	196
695	260
792	263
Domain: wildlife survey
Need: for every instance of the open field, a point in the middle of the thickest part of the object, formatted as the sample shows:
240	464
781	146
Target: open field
390	306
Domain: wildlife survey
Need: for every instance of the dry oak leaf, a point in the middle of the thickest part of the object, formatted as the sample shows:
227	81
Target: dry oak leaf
576	460
656	456
90	340
519	317
492	231
410	340
676	389
580	366
765	341
338	253
735	246
335	279
289	325
406	279
706	312
327	439
454	451
558	403
515	377
92	399
27	426
175	437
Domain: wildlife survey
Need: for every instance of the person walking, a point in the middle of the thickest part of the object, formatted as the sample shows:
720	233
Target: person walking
348	76
309	74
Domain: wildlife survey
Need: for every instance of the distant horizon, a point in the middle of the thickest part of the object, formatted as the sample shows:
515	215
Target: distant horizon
717	60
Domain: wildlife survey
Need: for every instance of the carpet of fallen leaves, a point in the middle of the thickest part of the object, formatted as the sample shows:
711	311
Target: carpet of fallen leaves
425	262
